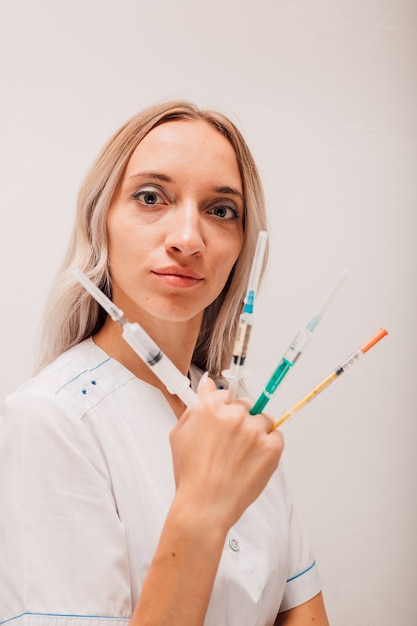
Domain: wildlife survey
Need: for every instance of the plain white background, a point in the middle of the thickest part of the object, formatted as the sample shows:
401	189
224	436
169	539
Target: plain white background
325	92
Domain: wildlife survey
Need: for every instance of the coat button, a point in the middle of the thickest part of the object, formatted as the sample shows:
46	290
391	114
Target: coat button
234	545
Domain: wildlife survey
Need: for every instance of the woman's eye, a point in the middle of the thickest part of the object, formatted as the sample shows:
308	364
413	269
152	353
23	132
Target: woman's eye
150	197
225	211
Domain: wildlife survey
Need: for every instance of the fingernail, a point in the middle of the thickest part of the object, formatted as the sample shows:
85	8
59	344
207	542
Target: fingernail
203	380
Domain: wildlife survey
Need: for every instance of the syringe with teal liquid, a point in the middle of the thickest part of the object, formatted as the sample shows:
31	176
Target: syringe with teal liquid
295	350
240	347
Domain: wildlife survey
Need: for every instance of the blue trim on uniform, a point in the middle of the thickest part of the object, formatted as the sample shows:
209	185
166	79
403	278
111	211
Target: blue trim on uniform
10	619
302	573
100	364
81	373
70	381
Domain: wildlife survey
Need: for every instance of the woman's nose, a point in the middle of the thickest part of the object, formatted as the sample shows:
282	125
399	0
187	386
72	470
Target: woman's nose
184	232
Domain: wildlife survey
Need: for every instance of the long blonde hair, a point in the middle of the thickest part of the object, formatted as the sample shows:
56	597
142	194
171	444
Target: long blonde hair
72	315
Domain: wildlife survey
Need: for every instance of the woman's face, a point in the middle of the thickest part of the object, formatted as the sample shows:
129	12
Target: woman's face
175	224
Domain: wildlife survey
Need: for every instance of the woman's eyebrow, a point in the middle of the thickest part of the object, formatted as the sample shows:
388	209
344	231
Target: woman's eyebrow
229	191
155	175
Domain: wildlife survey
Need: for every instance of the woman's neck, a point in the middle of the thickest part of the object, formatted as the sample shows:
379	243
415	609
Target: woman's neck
176	340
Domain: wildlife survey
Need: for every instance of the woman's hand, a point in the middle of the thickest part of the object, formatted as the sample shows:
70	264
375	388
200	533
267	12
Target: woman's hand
223	456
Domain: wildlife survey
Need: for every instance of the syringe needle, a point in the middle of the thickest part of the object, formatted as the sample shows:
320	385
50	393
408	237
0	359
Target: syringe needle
317	317
115	313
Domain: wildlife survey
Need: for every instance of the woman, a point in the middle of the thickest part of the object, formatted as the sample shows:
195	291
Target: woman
120	503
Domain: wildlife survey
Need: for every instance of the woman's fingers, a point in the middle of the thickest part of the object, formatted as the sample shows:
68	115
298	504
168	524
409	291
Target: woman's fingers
223	456
264	418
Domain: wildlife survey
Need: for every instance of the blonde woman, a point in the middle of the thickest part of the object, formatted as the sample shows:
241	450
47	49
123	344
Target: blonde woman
119	504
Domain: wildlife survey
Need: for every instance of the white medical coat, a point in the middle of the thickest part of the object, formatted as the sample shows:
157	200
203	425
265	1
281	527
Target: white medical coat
86	481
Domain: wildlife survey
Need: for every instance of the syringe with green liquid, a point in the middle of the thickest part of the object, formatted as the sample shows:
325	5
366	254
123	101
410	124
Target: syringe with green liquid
297	347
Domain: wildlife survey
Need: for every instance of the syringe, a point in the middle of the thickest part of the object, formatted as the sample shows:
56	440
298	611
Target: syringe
294	352
175	382
335	374
244	328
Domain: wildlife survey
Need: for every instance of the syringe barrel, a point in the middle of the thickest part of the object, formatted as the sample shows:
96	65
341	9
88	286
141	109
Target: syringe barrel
298	345
175	382
240	347
351	360
141	343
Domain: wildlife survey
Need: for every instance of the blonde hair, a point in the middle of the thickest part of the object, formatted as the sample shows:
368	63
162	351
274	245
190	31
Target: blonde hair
72	315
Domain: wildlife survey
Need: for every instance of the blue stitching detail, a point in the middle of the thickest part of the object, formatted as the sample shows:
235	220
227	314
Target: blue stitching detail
10	619
81	373
100	364
70	381
301	573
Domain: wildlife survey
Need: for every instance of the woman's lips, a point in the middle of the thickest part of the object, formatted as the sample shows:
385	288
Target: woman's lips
178	276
